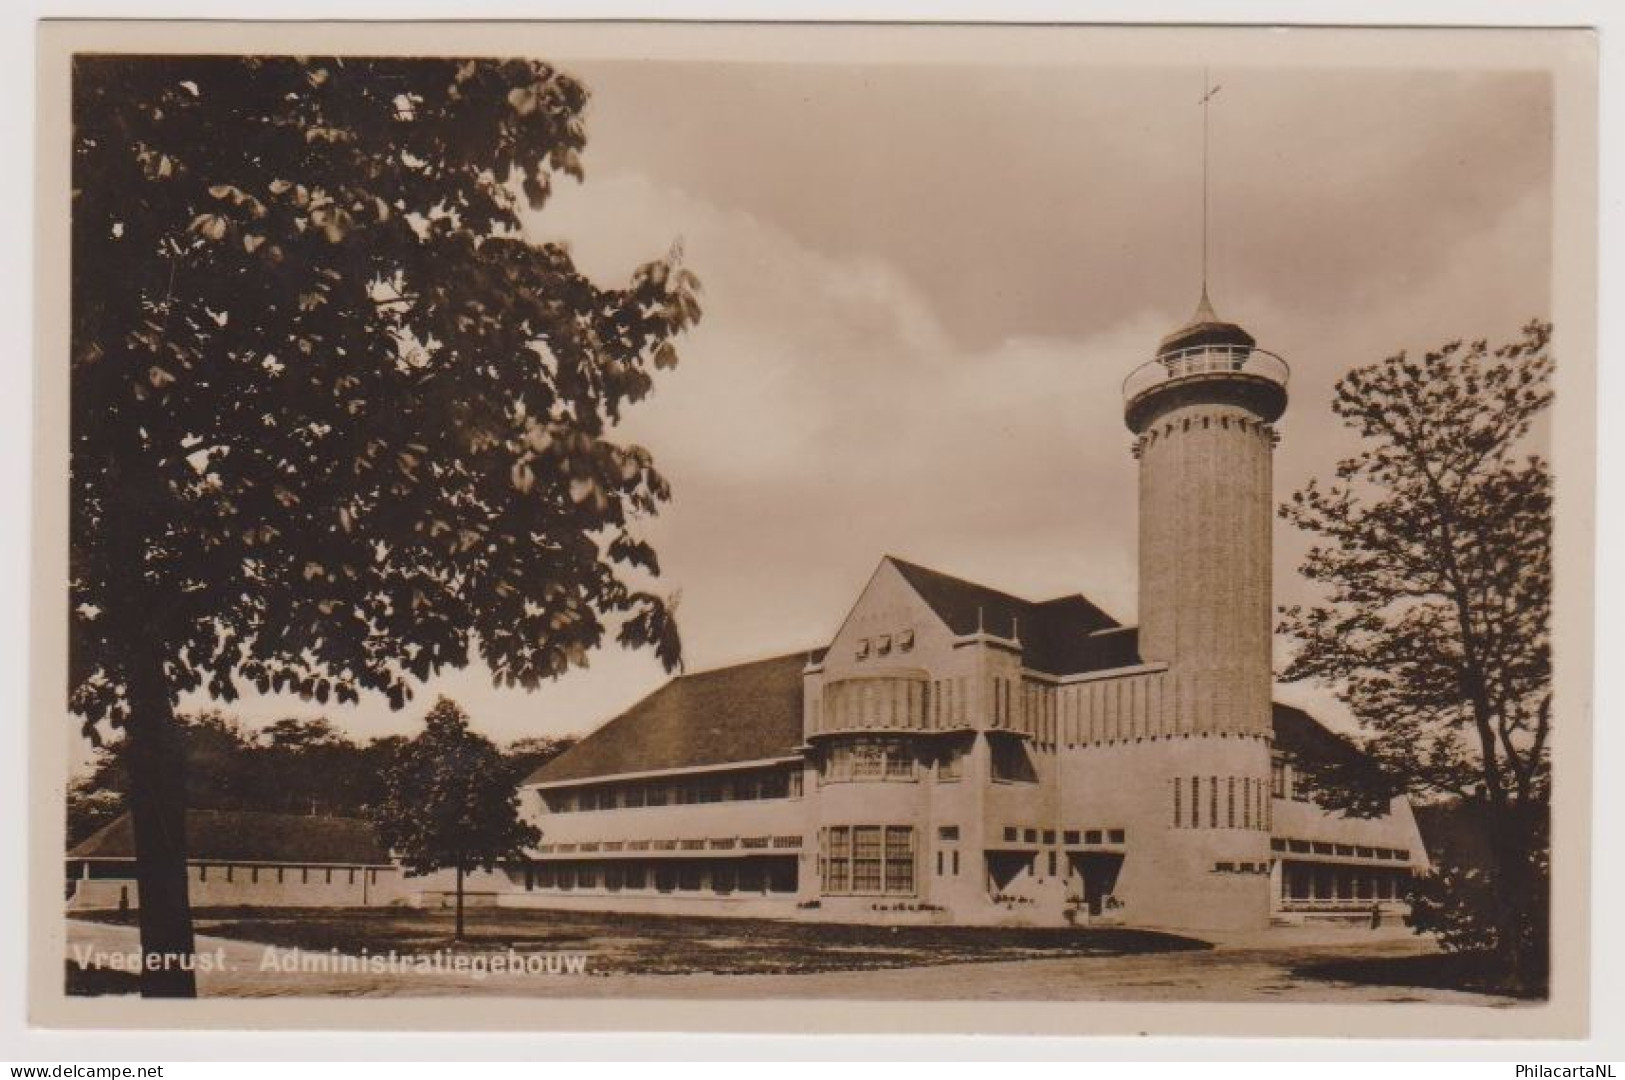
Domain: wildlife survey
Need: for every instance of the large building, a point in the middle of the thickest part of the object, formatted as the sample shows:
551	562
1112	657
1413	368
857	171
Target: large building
959	754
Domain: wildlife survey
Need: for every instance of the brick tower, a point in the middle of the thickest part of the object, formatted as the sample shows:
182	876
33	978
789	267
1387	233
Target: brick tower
1202	413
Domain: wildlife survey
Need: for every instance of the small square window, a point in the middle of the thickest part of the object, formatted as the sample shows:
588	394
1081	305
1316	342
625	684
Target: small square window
1092	836
1029	836
1049	836
948	832
1009	834
1070	836
1116	836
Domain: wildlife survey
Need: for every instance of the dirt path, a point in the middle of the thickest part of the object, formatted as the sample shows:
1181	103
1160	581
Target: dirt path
1256	967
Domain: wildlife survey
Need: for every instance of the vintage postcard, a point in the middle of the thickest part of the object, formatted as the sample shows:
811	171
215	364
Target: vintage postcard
814	528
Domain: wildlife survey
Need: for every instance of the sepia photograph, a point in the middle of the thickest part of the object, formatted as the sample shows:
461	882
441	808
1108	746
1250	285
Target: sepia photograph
795	522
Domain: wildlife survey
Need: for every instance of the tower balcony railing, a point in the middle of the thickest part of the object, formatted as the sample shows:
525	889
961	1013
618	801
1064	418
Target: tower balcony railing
1206	360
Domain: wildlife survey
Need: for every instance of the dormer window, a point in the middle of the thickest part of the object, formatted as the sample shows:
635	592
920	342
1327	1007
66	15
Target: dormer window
883	644
863	649
905	640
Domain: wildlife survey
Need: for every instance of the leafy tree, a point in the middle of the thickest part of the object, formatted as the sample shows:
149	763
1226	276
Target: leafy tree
291	766
336	424
450	802
1436	577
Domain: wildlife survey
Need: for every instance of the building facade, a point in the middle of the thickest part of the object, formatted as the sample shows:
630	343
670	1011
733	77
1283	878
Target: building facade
243	858
958	754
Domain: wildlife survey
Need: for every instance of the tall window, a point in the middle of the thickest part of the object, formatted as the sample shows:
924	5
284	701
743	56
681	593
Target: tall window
1277	779
1179	818
1213	802
866	858
868	759
1246	802
899	859
838	863
1196	801
1230	802
899	763
869	859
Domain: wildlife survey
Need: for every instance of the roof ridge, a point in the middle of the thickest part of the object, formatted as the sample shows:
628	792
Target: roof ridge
798	654
957	580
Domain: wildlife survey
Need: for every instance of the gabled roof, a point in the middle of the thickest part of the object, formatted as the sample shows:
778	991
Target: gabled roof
1063	636
1301	736
250	836
748	712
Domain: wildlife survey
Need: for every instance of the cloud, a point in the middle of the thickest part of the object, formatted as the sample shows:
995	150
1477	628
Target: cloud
823	416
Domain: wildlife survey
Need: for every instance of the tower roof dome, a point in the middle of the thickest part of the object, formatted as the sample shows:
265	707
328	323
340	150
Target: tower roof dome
1205	328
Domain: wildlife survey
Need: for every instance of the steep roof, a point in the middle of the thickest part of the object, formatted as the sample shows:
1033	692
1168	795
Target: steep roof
1063	636
1303	737
252	836
747	712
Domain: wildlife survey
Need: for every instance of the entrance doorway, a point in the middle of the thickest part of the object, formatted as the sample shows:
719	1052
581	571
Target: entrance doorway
1099	870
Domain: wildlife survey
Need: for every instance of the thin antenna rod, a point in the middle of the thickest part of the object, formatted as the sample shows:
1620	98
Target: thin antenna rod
1208	91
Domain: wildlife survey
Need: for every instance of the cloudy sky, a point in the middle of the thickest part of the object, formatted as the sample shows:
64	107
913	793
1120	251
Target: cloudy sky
924	284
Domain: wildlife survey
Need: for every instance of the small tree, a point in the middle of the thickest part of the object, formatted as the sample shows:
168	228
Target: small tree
1436	577
449	802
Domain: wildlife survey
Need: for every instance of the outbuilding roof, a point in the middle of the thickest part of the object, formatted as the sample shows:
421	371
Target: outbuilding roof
252	836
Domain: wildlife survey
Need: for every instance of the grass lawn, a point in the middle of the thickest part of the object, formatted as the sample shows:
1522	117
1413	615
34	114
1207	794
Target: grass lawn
1473	972
621	944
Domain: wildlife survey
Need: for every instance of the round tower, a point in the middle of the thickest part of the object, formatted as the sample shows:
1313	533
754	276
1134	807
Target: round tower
1202	413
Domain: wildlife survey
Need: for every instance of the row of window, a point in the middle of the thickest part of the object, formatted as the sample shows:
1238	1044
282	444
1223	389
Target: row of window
864	758
867	860
305	875
1069	837
696	843
783	783
721	877
1323	847
1324	882
881	644
1220	802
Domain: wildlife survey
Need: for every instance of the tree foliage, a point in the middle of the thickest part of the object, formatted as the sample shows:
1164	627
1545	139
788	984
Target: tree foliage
1434	564
290	766
450	802
335	421
344	419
